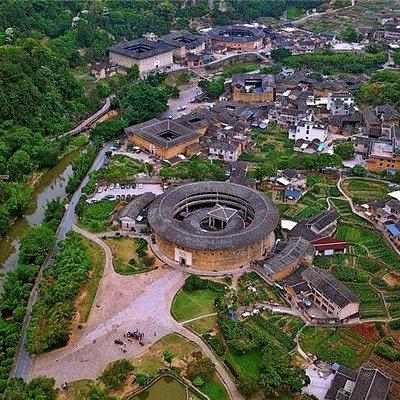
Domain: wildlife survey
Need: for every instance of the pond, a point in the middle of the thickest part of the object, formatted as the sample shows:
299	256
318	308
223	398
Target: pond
167	388
51	186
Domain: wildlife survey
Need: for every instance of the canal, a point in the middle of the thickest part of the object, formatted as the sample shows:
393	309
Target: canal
51	186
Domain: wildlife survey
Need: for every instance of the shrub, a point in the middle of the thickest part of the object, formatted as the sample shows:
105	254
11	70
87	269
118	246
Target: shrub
247	386
116	373
168	355
198	381
202	367
142	379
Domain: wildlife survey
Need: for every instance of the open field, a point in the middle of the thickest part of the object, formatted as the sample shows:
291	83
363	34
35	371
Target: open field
188	305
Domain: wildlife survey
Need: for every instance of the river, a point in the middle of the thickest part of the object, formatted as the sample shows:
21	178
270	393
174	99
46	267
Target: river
50	186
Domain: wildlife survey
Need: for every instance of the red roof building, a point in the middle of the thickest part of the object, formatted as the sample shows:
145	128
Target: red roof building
328	246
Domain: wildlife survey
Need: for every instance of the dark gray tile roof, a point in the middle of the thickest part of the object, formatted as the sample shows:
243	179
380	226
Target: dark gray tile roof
371	384
183	38
140	48
319	222
329	286
236	33
162	215
294	251
343	375
133	208
164	133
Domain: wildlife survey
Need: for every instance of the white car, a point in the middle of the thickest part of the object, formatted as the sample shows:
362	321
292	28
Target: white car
117	186
99	190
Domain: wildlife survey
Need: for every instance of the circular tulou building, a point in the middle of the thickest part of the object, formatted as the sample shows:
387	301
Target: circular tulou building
213	225
237	37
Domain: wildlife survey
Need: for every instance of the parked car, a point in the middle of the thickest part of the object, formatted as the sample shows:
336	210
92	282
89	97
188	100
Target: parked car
110	197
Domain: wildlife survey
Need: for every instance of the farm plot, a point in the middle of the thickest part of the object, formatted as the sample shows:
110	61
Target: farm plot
336	345
371	302
365	190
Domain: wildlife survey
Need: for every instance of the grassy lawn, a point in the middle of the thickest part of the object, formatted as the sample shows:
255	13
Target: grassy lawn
188	305
215	390
203	325
246	364
78	390
365	190
95	216
126	260
85	302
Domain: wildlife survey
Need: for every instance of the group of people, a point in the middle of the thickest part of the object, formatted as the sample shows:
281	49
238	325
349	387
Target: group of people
136	335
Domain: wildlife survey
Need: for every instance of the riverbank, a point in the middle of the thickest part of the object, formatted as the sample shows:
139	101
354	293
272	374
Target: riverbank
51	185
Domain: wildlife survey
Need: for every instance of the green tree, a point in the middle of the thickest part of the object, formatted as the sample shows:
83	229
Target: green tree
142	379
213	89
349	34
54	212
35	244
279	55
396	57
140	102
40	388
198	381
116	373
19	165
345	150
202	367
265	170
248	386
279	374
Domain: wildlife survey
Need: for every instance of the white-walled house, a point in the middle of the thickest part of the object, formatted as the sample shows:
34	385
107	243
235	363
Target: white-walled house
309	130
226	150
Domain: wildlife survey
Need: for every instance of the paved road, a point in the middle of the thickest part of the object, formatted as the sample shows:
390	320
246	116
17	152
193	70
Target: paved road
93	118
23	360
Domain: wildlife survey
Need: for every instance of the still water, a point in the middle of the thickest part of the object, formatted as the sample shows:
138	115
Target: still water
51	186
166	388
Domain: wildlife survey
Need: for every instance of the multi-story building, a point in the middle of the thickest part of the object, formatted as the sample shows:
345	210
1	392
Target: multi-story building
320	296
185	43
309	130
340	103
164	139
148	55
383	155
253	88
227	150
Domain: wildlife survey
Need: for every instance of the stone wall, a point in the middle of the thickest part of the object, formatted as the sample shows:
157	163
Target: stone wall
146	65
161	151
220	260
